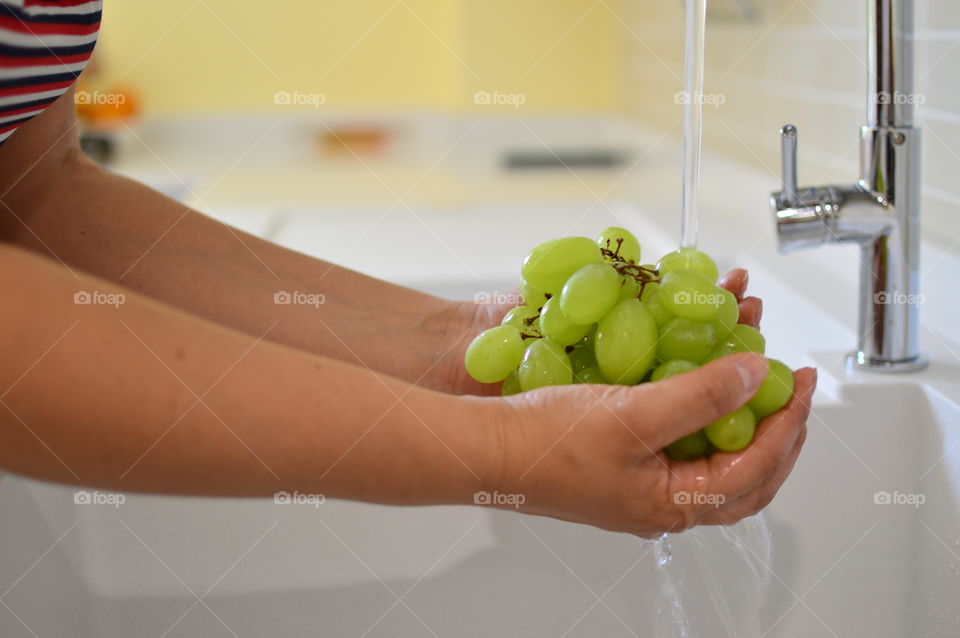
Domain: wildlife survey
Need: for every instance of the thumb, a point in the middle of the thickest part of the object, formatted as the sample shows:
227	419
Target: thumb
687	402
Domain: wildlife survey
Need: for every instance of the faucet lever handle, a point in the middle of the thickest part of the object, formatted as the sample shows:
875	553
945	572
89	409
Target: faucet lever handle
788	158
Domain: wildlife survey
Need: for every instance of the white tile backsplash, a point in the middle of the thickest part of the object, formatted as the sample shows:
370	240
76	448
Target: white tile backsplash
803	61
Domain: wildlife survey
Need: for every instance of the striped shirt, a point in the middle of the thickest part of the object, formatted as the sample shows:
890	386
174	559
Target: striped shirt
44	45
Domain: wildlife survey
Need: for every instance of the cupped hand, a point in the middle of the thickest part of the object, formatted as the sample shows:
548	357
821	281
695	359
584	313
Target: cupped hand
594	454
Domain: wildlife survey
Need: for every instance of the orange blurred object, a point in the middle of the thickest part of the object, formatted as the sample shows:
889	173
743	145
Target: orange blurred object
358	140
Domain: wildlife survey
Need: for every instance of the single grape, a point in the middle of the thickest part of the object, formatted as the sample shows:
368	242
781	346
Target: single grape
557	326
526	319
548	266
590	293
532	296
746	338
672	367
649	289
733	432
629	288
511	385
651	301
494	353
544	363
687	294
728	316
589	375
682	338
581	358
622	242
689	259
774	392
719	350
626	342
689	447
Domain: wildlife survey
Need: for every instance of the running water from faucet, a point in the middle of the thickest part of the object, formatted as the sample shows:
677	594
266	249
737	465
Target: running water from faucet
731	566
696	18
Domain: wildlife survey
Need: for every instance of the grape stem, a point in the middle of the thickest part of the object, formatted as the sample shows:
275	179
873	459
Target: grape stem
640	274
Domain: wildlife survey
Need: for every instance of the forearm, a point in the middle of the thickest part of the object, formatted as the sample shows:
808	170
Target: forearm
142	397
129	234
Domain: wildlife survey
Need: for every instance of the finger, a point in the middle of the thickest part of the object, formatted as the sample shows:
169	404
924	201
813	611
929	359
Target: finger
759	497
751	309
736	282
686	402
733	474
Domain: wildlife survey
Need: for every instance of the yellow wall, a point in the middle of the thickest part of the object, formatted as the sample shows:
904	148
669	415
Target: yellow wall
227	55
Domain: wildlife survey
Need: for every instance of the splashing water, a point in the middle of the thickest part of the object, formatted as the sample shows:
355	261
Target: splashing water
727	577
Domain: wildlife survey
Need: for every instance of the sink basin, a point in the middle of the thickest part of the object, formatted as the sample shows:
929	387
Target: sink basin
865	542
865	535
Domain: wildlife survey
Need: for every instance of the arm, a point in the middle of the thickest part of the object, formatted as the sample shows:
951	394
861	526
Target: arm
66	206
144	397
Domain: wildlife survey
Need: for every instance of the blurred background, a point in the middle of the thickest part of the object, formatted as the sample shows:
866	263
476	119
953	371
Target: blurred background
248	113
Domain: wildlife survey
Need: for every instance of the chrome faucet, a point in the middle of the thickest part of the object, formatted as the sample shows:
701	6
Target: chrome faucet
881	212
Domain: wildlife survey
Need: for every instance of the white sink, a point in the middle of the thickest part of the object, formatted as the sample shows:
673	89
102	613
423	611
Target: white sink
843	565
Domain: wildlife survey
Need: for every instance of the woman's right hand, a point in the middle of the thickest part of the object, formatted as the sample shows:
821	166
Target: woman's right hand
594	454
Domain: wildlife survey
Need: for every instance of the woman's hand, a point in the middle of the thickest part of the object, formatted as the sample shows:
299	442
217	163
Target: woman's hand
594	454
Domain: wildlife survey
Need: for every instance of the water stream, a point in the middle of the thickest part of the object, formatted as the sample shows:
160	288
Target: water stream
695	35
714	580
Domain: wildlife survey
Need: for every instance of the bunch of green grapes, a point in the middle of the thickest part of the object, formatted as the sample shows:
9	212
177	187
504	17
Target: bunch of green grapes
593	314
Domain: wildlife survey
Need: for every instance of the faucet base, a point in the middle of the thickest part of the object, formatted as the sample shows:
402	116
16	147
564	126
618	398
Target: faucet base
859	361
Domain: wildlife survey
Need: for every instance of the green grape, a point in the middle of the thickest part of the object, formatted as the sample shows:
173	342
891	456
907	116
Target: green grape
629	288
557	326
544	363
526	319
682	338
687	294
626	342
719	350
728	316
689	447
774	392
746	338
532	296
581	358
669	368
689	259
589	375
629	247
590	293
733	432
494	353
511	385
650	289
548	266
651	301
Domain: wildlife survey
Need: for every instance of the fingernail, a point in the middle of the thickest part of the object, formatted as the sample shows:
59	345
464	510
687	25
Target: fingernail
752	369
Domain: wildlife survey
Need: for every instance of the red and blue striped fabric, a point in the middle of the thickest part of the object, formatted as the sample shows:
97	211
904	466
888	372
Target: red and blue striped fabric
44	45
